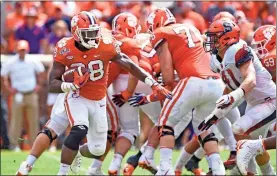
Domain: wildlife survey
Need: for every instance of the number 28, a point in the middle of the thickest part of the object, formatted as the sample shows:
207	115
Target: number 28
96	68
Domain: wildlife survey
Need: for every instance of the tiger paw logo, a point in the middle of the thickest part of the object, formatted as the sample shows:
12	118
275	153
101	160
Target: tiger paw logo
269	32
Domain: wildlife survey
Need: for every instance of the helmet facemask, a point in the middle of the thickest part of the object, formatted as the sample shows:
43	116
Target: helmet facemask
89	37
259	48
211	44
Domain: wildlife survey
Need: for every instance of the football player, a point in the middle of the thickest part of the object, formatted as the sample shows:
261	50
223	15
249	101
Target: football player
179	47
85	101
58	123
223	127
264	44
244	77
125	27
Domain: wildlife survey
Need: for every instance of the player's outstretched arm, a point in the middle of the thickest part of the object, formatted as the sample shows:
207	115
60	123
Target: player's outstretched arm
55	78
126	63
141	74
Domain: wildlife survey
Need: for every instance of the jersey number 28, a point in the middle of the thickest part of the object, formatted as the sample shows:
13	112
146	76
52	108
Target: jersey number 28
96	68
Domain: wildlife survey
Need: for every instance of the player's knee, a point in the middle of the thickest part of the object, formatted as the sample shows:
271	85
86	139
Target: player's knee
128	135
210	137
237	129
76	135
49	133
97	149
166	130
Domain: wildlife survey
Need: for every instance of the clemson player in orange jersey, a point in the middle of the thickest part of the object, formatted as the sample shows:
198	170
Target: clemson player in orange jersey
223	127
179	47
125	27
85	102
264	44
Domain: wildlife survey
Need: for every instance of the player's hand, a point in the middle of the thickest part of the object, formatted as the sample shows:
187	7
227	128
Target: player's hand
225	101
161	90
208	122
138	99
122	98
80	81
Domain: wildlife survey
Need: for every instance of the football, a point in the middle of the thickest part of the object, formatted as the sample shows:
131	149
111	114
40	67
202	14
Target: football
68	75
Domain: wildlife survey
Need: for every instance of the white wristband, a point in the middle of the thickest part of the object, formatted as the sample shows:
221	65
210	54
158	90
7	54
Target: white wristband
237	94
150	81
66	86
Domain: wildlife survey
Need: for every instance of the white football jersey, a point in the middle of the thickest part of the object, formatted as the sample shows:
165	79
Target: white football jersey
235	56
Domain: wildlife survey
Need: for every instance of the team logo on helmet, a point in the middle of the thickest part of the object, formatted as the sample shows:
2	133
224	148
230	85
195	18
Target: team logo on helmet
269	32
227	27
132	21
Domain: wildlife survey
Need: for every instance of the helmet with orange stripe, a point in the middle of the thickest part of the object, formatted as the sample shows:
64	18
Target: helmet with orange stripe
158	18
85	29
126	24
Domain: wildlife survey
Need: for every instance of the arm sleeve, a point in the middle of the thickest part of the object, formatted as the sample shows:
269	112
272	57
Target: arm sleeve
243	55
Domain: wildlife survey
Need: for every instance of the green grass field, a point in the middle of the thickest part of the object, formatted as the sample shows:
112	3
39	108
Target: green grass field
48	164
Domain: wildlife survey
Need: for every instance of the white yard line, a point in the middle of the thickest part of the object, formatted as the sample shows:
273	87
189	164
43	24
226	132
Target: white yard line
48	155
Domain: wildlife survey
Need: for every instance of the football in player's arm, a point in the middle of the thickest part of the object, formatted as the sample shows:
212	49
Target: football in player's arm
56	85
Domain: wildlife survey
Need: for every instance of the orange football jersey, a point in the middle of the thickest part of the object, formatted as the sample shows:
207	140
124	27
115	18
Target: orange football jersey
269	62
96	60
185	46
114	71
131	48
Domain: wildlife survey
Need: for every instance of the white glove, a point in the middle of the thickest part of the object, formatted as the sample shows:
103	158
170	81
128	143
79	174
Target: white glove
228	100
66	87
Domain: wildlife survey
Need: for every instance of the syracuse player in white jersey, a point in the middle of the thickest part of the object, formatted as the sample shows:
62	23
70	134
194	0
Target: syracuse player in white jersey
264	44
180	47
85	102
245	77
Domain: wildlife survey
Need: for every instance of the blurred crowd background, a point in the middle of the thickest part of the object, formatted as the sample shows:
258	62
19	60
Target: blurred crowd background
43	24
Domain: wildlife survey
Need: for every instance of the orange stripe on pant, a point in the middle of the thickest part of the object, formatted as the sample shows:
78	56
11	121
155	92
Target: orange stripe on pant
179	93
69	116
167	102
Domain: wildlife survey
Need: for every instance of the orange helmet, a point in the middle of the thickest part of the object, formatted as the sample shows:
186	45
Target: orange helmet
158	18
85	29
264	40
224	14
221	34
126	24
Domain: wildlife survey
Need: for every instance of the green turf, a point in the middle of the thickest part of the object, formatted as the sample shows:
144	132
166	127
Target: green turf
48	164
